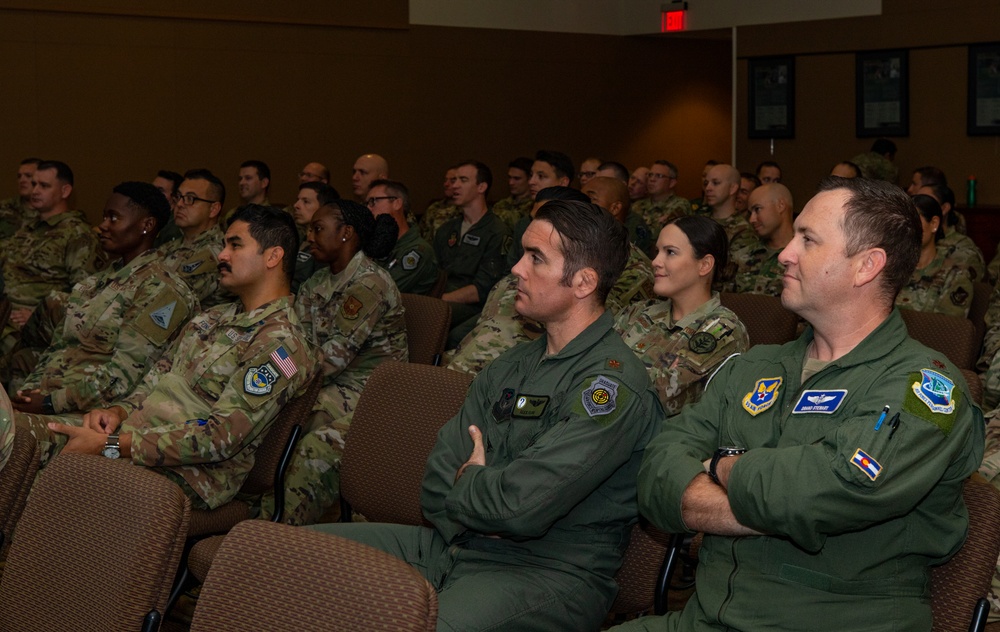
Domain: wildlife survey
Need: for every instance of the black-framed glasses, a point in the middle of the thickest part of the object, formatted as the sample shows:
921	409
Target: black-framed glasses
660	176
372	201
191	198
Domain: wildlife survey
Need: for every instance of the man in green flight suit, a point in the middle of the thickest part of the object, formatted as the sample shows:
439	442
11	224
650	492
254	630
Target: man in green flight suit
412	263
530	488
826	473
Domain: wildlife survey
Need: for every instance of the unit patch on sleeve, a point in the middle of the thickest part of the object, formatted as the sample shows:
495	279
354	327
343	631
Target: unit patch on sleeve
259	380
866	464
826	402
763	395
352	306
599	398
162	316
935	390
410	260
188	268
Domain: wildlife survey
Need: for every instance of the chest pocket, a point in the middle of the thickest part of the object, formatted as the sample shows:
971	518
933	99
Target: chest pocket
97	324
216	366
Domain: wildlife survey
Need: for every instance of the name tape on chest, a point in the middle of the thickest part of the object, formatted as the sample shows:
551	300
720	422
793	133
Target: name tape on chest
236	336
530	406
763	395
824	402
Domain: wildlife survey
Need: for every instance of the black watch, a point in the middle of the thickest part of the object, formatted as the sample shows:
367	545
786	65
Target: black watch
720	454
47	407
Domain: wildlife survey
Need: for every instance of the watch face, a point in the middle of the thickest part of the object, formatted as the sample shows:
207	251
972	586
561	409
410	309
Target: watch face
112	452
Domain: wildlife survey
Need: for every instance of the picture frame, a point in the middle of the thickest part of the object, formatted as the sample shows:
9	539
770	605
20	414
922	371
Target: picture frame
882	94
984	90
771	82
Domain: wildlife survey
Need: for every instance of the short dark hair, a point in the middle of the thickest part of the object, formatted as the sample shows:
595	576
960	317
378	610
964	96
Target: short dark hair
483	173
590	238
396	188
751	177
561	193
707	237
884	146
63	173
560	162
929	208
144	196
215	185
324	192
35	161
931	175
769	163
880	215
263	171
523	163
271	226
173	176
620	171
669	165
376	234
855	167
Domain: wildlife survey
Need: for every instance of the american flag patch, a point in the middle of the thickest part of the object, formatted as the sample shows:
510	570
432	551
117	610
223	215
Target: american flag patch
866	464
285	363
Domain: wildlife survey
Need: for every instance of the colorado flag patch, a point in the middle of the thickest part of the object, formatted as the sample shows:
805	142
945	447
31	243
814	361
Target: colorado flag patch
866	464
826	402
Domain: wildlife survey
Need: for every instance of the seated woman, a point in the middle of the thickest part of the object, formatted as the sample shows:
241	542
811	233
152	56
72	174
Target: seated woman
352	311
939	284
683	339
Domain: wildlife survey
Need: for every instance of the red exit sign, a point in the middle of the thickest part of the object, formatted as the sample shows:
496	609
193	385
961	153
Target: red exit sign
672	21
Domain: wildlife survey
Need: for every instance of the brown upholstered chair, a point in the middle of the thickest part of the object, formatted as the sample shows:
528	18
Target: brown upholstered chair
427	323
307	581
953	336
442	282
957	586
96	548
15	482
975	385
644	567
981	294
766	320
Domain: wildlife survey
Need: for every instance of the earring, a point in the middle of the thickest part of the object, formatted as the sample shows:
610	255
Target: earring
143	232
344	239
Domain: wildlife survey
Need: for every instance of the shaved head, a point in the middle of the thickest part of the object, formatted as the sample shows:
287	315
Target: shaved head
367	168
610	194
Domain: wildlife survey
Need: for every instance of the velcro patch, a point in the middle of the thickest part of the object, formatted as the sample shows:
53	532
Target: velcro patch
762	396
235	336
162	316
825	402
259	380
599	398
188	268
866	464
702	342
532	406
352	306
410	260
932	397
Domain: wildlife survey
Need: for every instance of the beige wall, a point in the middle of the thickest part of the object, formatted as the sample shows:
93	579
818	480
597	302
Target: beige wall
936	32
118	97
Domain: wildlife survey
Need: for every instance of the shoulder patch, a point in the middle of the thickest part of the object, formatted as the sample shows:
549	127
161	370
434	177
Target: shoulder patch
162	316
410	260
762	396
188	268
285	362
599	398
259	380
351	307
303	256
702	342
866	464
932	397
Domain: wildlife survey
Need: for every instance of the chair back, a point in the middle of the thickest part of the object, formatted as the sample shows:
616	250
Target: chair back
953	336
640	571
15	482
766	320
394	428
975	385
304	580
96	549
957	585
427	323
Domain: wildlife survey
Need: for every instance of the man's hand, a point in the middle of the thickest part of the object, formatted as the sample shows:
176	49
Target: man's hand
29	401
81	440
478	456
20	316
103	420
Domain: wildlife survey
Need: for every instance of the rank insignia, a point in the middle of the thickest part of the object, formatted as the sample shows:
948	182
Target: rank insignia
351	308
866	464
530	406
614	364
763	395
410	260
702	342
599	397
503	406
938	364
188	268
260	379
935	391
162	316
826	402
452	240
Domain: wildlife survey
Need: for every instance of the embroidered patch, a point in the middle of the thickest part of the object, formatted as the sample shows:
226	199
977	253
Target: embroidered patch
935	391
959	296
763	395
614	364
452	240
259	380
866	464
235	336
285	362
410	260
472	240
531	406
826	402
188	268
303	256
351	308
162	316
503	406
599	398
702	342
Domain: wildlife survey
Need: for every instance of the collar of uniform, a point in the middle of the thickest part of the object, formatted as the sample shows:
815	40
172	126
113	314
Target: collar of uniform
485	220
931	269
249	319
213	234
341	279
122	269
586	339
59	218
890	333
708	306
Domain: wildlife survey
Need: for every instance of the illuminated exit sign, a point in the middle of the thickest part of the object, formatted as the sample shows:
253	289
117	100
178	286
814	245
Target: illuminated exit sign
672	21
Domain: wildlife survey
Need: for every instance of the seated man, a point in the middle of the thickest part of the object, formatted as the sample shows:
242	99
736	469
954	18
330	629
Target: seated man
757	270
204	408
530	489
412	263
840	482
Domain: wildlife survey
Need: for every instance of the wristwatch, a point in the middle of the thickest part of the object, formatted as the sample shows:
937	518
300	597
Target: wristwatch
720	454
111	449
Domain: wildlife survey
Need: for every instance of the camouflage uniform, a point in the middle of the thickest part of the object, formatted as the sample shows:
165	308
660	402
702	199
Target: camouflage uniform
942	287
989	362
117	324
6	428
963	251
437	214
681	356
876	167
356	318
412	264
14	213
500	327
758	270
201	412
168	233
990	469
659	214
196	263
224	219
305	265
640	234
511	211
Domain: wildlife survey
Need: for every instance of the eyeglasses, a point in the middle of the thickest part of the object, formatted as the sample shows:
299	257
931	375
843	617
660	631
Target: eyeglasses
191	198
588	174
372	201
660	176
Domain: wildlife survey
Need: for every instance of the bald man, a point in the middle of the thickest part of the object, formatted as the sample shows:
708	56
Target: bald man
612	195
720	198
757	268
314	172
663	205
368	168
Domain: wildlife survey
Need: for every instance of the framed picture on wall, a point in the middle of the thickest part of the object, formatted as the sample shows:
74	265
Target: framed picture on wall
984	90
882	95
772	97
